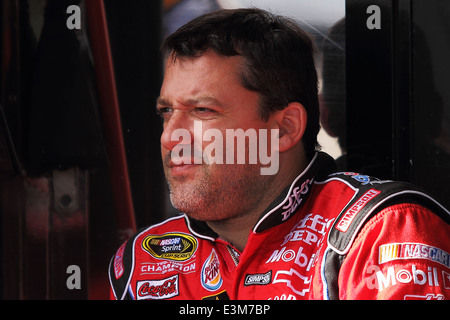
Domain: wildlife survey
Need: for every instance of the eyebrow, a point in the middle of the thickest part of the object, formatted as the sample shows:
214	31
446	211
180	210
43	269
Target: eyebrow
162	102
196	101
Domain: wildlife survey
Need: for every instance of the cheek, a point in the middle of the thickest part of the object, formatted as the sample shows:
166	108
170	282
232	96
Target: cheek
165	157
164	151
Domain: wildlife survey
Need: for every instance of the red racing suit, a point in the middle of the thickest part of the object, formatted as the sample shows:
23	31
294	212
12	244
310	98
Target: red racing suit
326	236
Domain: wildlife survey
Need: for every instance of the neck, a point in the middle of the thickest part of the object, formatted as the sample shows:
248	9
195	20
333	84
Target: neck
236	230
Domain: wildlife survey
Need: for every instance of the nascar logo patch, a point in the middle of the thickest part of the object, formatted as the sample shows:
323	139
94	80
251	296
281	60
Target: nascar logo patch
170	246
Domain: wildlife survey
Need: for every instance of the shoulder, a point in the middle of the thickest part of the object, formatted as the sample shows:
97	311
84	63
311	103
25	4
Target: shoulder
369	198
401	253
163	229
381	219
170	237
405	222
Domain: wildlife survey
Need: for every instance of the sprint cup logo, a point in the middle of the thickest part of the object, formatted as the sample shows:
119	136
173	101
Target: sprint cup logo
170	246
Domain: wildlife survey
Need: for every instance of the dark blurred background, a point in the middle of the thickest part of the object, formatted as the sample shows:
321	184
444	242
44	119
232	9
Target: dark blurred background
80	165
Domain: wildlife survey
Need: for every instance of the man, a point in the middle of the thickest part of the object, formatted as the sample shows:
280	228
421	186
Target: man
302	231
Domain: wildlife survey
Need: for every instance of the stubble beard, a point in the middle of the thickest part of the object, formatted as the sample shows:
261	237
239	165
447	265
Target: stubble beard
218	194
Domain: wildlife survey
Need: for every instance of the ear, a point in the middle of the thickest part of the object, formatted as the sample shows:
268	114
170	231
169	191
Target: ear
292	124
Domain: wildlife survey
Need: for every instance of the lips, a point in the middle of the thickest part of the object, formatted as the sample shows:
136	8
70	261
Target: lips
181	162
179	166
183	169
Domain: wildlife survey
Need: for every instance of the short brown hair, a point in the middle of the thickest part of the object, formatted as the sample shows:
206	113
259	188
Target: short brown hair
278	55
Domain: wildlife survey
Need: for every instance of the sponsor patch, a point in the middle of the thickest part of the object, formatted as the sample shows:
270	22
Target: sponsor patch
210	275
446	279
168	266
258	279
157	289
429	296
351	213
118	261
170	246
223	295
398	251
393	275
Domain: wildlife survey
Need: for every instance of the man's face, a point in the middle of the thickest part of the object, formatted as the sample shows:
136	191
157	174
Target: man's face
206	91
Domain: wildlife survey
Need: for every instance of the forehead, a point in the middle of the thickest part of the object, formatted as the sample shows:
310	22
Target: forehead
208	73
207	60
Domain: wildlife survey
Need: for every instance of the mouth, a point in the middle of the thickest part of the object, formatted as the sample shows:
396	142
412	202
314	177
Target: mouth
182	167
179	162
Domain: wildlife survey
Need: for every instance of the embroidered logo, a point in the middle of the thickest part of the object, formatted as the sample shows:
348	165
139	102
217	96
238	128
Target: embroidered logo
170	246
210	275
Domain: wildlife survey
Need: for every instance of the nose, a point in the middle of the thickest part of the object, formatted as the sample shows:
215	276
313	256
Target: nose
177	129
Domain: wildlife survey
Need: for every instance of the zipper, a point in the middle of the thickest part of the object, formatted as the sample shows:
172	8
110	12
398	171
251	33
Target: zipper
234	254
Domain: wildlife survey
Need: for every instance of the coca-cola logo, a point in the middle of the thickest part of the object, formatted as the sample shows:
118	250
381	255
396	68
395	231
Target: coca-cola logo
157	289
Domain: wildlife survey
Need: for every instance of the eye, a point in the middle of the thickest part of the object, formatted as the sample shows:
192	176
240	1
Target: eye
163	111
204	110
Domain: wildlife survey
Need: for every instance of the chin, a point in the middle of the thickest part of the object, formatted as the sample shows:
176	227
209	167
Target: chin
199	210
